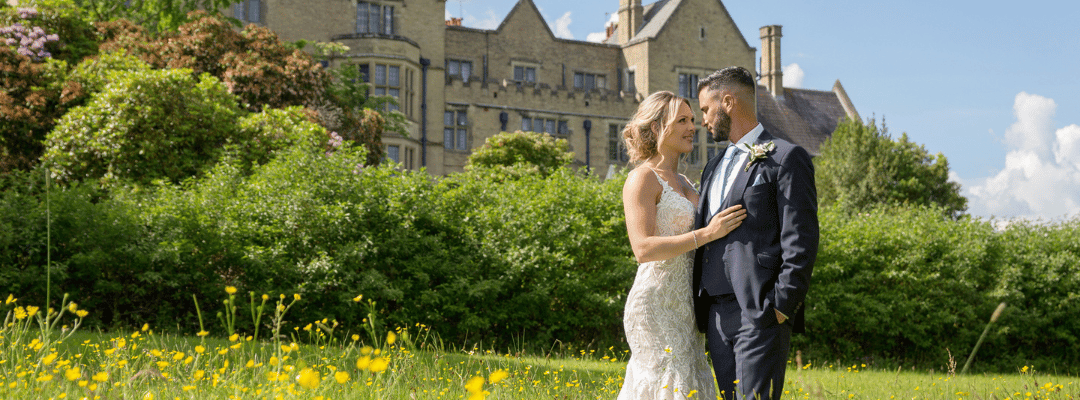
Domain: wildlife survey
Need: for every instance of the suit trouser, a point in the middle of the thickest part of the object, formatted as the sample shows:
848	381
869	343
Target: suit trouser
741	352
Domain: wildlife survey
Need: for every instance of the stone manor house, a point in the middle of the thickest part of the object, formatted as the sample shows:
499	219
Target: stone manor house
459	86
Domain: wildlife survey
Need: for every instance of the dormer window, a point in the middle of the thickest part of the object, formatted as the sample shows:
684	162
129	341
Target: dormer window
372	17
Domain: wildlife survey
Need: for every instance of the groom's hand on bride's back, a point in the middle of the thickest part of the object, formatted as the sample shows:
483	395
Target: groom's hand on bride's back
724	222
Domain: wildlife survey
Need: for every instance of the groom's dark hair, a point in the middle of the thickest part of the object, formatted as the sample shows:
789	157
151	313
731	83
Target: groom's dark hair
731	77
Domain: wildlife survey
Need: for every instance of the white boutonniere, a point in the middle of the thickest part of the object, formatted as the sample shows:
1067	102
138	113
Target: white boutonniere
757	152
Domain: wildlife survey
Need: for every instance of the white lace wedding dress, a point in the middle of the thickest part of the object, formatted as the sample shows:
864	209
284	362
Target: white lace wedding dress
667	353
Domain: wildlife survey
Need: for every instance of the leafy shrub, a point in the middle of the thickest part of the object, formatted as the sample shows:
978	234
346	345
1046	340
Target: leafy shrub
540	257
348	109
145	125
561	249
77	38
154	15
36	46
318	222
265	133
35	91
1039	277
263	72
542	153
93	74
254	64
903	284
899	283
96	243
35	95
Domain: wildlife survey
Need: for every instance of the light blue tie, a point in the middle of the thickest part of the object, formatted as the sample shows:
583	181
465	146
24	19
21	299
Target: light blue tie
717	199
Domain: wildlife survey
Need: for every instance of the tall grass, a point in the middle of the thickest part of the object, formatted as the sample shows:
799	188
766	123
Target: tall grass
320	360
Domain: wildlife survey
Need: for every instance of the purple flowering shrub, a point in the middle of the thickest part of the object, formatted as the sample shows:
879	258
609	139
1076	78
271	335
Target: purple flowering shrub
29	41
37	46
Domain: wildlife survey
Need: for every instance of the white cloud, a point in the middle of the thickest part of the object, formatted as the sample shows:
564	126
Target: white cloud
793	76
1067	147
562	27
1041	178
597	37
490	20
1034	126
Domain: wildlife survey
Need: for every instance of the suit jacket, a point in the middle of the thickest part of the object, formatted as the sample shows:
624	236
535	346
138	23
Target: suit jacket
767	261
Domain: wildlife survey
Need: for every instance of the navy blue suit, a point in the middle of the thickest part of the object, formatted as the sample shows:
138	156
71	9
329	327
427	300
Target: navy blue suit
762	265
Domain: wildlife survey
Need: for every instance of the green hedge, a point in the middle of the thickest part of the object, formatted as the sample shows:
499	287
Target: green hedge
532	259
96	242
909	286
513	259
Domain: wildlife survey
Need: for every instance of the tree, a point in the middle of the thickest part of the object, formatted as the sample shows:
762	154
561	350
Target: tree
143	126
861	166
535	151
36	46
154	15
347	106
263	72
254	64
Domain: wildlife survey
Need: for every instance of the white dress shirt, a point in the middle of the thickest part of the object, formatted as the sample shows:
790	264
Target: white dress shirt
716	189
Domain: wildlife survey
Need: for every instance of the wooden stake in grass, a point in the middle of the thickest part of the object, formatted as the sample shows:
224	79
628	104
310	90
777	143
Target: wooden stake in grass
993	318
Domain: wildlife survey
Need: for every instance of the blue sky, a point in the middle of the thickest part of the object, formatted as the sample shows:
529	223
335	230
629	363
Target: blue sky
992	85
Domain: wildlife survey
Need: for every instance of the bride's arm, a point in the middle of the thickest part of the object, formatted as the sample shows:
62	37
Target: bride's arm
640	195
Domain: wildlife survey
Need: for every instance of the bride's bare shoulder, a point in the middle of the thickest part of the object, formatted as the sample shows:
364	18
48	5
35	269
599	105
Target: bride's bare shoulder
641	179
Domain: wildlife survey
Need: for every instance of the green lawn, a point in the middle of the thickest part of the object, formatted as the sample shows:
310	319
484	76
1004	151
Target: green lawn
853	381
145	365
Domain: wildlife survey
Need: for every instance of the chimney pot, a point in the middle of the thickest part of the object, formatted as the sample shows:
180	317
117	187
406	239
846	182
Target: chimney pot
631	17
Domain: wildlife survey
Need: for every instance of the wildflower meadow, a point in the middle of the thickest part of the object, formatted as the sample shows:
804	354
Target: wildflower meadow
44	355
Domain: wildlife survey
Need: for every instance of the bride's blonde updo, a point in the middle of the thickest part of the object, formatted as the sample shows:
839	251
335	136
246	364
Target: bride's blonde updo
651	122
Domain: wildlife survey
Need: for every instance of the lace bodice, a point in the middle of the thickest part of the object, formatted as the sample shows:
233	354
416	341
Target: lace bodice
667	353
674	213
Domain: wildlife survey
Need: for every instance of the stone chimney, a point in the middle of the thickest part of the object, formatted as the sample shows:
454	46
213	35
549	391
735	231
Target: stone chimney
631	15
772	72
608	30
453	22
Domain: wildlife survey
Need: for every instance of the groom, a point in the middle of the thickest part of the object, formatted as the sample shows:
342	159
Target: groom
749	286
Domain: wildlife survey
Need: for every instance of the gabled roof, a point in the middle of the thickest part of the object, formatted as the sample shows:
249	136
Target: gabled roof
518	7
515	10
655	17
801	116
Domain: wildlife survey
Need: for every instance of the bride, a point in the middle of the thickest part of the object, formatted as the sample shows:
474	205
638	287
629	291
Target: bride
667	359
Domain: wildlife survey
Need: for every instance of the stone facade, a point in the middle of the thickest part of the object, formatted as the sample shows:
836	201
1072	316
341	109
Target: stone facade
475	83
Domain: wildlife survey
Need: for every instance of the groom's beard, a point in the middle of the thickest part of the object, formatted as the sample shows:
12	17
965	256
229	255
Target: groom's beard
721	130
